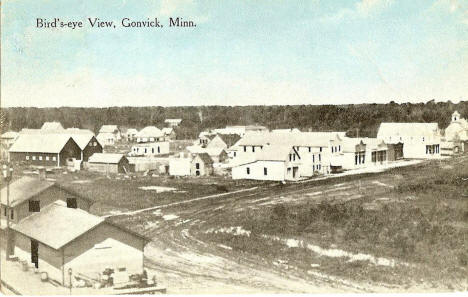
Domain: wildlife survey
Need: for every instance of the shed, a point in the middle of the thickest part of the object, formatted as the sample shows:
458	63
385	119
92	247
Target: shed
108	163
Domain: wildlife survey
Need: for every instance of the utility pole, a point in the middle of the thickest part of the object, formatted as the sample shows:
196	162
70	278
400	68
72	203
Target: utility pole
7	175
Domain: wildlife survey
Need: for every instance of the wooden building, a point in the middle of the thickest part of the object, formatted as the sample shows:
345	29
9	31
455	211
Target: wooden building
201	165
45	149
60	238
108	163
29	195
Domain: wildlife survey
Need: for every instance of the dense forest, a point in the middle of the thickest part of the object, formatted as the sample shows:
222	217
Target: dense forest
364	118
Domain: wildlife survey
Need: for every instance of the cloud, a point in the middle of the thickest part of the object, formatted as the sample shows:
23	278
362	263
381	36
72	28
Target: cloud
362	9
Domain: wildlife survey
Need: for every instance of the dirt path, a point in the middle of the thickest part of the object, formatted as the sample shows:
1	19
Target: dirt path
186	264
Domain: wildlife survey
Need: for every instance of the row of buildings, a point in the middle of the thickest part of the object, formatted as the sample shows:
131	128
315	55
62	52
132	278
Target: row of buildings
250	152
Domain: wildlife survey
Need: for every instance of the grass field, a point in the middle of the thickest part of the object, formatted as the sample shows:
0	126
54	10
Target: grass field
118	193
417	228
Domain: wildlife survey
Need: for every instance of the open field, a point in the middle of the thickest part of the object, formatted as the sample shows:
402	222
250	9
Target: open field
403	229
400	230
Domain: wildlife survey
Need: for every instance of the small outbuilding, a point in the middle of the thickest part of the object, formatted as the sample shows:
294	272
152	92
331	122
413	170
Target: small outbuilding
108	163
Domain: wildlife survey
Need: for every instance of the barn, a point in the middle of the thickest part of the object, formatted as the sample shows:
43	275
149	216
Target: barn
45	149
61	239
108	163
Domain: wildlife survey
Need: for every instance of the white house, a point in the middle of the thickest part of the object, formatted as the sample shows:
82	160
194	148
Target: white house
274	163
109	135
150	149
320	151
173	122
420	140
169	133
150	134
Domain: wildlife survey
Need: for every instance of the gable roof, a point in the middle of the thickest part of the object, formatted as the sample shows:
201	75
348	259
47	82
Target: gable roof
81	136
205	158
312	139
167	131
67	223
24	188
108	129
407	129
150	131
105	158
52	126
40	143
229	139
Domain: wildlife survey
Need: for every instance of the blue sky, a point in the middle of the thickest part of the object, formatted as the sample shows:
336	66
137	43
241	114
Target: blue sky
240	53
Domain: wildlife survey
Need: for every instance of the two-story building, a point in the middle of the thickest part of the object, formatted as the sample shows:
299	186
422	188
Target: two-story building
273	163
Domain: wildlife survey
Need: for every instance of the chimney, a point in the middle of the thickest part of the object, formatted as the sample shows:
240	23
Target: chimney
42	174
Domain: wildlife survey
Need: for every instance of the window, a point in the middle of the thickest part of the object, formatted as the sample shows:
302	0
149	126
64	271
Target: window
72	203
152	150
54	159
320	148
5	211
332	149
265	171
313	158
40	158
146	150
197	165
34	158
245	148
310	149
339	148
34	206
248	170
253	149
47	158
12	214
320	157
27	157
423	139
159	150
234	154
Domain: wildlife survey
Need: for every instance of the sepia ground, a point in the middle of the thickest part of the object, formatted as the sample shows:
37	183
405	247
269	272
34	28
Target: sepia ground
400	230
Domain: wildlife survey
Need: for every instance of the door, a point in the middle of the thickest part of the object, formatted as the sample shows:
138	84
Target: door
295	170
35	253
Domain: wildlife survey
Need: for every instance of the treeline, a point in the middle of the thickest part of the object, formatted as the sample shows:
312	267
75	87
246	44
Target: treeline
364	118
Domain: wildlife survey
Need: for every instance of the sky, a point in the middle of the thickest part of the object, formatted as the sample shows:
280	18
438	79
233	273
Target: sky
240	53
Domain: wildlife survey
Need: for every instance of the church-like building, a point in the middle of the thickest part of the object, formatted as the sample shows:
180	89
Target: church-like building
456	136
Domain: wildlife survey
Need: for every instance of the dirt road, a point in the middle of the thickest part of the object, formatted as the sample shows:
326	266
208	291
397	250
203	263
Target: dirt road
186	264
